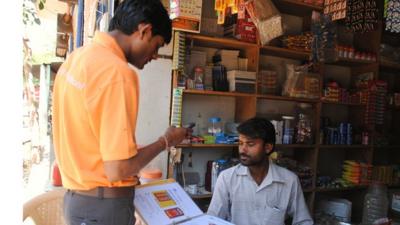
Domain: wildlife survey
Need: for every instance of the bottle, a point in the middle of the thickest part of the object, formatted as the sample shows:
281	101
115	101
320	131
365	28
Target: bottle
288	129
198	78
375	204
56	176
199	125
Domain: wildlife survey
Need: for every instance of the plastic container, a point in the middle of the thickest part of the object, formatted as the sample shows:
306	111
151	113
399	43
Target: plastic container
375	204
148	175
214	126
288	129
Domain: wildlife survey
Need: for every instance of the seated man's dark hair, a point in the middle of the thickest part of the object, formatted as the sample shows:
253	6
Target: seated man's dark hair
258	128
130	13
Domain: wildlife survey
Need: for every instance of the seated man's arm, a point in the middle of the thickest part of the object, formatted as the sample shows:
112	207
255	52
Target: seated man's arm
297	207
219	205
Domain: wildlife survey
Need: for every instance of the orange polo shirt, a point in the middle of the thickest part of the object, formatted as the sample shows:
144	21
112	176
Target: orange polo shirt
95	108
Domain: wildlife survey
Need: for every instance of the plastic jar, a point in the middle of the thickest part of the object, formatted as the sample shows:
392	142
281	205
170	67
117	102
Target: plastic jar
214	126
288	129
149	175
375	203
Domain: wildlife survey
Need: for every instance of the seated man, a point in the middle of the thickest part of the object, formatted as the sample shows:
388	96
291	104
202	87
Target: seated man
257	191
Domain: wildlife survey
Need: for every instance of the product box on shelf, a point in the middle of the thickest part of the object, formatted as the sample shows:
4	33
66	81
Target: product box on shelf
186	15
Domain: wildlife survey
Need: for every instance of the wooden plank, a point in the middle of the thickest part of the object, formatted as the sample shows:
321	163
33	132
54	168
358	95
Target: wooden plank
344	146
351	62
217	93
296	7
354	188
289	99
285	52
343	103
246	108
389	65
220	43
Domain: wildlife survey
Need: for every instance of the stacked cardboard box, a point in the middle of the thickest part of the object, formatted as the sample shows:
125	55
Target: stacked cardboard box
242	81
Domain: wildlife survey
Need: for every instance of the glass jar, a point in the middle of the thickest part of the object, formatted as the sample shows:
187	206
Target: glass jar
375	204
288	129
304	131
215	126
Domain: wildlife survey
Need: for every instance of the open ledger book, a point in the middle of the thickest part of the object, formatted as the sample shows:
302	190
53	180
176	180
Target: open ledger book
165	203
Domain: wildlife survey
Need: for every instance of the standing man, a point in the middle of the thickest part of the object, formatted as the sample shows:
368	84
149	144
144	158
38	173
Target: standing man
256	191
95	102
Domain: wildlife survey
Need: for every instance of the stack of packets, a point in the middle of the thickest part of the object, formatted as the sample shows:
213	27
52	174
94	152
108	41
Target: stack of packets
301	42
335	8
392	14
179	54
362	15
331	92
267	82
356	173
376	103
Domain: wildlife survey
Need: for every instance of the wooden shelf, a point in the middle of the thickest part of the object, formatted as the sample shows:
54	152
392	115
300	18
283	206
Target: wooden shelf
389	65
201	196
392	107
217	93
296	7
236	145
354	188
344	146
308	190
387	147
289	99
207	146
220	43
284	52
350	62
294	146
343	103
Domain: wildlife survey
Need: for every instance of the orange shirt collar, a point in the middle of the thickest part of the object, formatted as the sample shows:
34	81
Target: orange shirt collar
109	42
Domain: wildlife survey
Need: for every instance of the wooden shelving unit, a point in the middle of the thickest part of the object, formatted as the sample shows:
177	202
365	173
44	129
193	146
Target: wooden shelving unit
247	104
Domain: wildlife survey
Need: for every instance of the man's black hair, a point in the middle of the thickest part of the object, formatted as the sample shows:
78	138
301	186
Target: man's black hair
130	13
258	128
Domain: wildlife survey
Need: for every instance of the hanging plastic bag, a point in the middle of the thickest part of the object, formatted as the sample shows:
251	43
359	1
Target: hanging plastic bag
266	18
